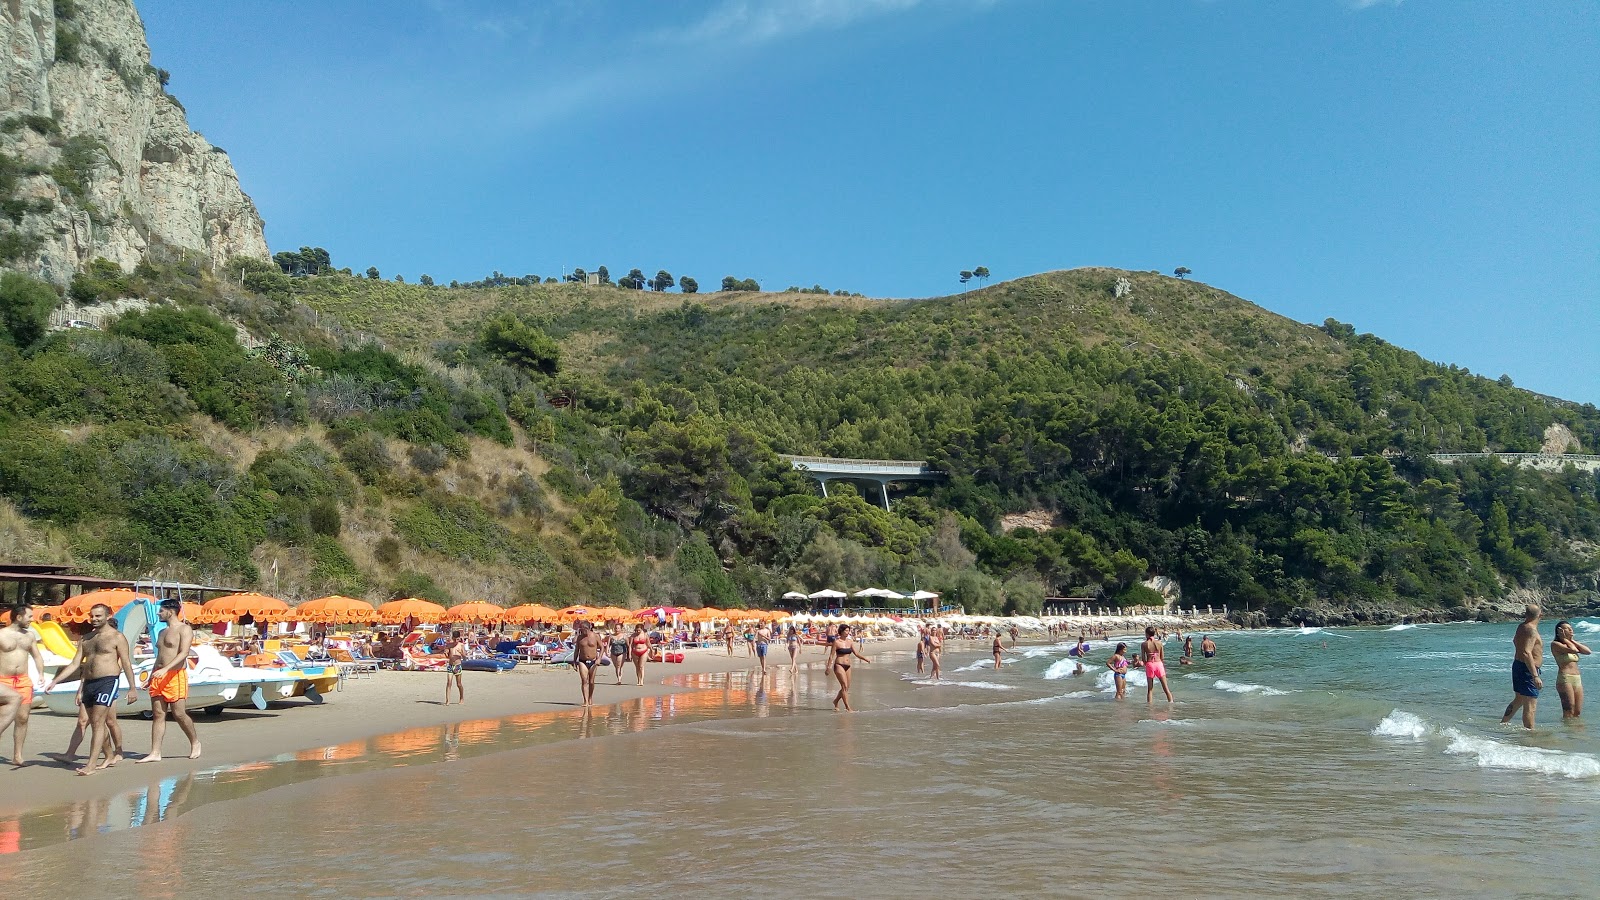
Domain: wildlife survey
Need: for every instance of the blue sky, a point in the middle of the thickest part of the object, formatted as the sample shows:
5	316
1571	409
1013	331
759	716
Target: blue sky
1426	170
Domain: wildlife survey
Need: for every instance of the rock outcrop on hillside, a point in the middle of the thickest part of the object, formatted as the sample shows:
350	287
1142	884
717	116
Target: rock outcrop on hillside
99	160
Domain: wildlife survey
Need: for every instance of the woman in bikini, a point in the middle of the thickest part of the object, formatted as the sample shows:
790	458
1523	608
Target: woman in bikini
1569	683
639	646
1118	664
793	640
844	647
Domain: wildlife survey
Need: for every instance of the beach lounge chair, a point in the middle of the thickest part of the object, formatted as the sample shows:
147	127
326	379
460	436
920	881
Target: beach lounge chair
352	667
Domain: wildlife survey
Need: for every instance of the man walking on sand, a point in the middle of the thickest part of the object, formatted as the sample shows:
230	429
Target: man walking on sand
17	646
1154	665
169	681
101	657
454	656
585	657
1527	657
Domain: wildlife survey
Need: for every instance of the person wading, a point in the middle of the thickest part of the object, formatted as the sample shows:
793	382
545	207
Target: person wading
1527	656
1569	681
844	647
169	681
101	657
17	646
1154	656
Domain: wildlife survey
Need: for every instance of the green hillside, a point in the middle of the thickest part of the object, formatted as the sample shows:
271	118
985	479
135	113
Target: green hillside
390	438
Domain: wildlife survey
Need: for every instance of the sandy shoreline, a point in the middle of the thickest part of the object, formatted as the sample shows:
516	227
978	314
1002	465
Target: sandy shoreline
366	708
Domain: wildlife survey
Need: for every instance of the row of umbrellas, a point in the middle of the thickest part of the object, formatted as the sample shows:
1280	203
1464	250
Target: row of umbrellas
876	593
338	610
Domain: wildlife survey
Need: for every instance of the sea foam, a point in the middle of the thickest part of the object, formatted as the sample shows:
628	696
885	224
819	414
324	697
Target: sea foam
1400	627
1492	754
1061	668
1234	687
1402	724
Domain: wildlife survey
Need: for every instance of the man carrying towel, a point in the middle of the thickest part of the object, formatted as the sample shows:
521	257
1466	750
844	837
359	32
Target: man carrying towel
1528	656
169	681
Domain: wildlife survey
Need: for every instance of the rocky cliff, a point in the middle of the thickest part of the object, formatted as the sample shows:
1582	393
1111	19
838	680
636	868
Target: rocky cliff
98	159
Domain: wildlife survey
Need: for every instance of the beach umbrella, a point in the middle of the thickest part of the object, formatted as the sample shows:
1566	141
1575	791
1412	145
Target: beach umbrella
659	612
234	607
530	612
795	595
477	612
613	614
396	612
705	614
827	594
921	595
574	613
887	594
868	592
76	609
336	610
39	612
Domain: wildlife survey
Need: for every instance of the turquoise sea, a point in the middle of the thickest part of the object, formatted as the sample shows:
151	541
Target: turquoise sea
1316	762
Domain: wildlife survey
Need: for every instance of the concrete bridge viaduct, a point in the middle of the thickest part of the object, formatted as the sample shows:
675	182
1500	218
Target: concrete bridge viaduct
879	471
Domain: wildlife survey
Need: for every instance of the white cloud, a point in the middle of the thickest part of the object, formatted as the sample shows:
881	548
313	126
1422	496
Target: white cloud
760	21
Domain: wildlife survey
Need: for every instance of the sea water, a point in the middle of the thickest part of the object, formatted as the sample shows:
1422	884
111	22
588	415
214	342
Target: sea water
1320	762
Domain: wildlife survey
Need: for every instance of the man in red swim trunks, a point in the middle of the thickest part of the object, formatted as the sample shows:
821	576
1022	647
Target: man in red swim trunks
17	646
169	681
1155	665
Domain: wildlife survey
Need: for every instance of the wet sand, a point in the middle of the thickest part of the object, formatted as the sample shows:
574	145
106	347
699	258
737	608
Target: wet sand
367	707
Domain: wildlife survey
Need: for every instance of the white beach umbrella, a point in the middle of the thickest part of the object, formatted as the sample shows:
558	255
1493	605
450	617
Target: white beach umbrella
795	595
827	594
922	595
868	592
887	594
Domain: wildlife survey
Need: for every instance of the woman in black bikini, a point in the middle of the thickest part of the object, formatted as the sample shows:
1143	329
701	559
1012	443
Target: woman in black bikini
844	647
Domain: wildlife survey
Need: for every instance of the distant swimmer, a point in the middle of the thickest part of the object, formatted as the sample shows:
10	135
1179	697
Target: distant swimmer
1527	657
935	651
1118	664
585	657
1154	665
1569	683
1014	634
168	686
844	647
101	658
998	648
17	645
1208	647
1188	647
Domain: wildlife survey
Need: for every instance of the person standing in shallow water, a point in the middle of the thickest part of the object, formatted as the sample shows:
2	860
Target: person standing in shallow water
844	648
935	651
1569	682
1118	664
1527	657
585	657
1154	656
455	657
998	649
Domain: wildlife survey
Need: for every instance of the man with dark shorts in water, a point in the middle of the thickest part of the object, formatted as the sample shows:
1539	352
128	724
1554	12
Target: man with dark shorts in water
17	646
1155	666
169	681
101	657
1208	647
585	657
1527	657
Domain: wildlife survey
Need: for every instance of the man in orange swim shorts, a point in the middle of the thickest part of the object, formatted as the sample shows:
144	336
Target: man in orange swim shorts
17	645
169	681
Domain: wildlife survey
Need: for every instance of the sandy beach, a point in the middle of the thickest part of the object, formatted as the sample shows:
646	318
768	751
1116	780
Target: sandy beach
367	707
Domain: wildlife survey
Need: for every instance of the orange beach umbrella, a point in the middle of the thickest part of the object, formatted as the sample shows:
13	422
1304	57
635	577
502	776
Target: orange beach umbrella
236	606
530	612
76	609
336	610
477	612
574	613
396	611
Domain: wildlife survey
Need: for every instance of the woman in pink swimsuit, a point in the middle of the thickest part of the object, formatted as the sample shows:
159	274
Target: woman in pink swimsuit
1154	665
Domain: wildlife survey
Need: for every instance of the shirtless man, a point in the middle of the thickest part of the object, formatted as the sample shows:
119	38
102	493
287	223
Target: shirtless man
1155	665
17	646
935	651
1208	647
169	681
101	657
454	656
999	648
1527	657
585	657
763	641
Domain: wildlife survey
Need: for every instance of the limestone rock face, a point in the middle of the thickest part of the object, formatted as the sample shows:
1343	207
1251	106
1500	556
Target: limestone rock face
100	159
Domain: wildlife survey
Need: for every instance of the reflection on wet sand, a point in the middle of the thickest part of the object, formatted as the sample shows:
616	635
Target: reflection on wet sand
705	696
